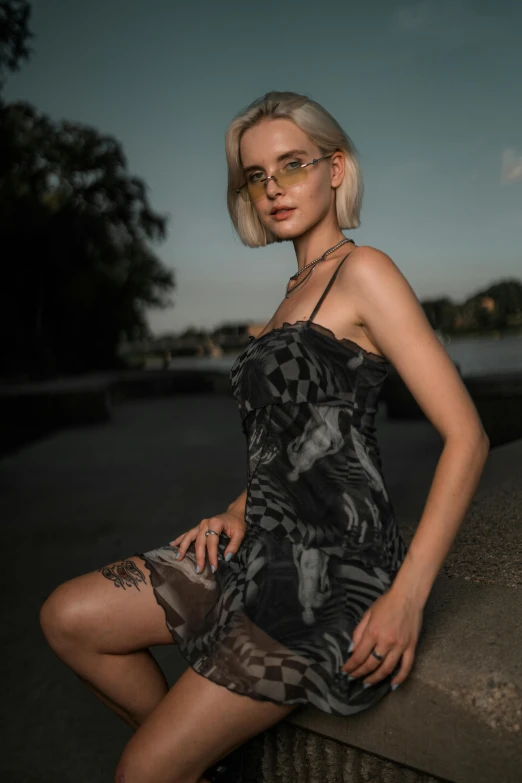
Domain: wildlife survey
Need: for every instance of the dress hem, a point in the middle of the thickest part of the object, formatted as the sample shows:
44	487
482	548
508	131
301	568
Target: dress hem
152	576
254	695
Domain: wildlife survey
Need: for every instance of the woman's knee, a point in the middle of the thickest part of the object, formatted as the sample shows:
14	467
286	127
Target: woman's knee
98	614
61	617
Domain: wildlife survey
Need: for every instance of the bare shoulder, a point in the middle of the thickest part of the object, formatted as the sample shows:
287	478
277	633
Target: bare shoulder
394	320
372	278
367	264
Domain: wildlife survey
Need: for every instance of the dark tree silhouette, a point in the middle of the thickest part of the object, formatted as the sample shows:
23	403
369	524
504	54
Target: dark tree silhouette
14	34
78	272
508	297
440	312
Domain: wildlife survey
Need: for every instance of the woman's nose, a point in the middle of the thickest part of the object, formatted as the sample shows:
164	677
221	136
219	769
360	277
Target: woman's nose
272	186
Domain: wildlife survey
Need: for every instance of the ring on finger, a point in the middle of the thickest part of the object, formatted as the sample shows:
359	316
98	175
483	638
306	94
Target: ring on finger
376	655
211	533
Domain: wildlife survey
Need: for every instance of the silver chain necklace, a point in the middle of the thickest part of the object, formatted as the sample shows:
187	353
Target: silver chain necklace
312	264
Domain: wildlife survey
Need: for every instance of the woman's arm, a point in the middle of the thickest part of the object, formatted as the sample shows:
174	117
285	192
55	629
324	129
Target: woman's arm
454	484
237	506
395	322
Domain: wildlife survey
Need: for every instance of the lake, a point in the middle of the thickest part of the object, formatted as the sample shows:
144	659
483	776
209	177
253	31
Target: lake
475	355
480	355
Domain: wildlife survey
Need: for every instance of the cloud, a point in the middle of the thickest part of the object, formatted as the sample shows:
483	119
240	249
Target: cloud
453	22
511	166
419	16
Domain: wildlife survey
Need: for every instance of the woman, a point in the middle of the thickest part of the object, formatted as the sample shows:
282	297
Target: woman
302	591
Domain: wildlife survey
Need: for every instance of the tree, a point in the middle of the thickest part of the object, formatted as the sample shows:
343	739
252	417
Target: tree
76	229
14	34
508	298
440	312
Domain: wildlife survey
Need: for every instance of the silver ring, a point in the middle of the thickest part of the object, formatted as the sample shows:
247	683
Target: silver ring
379	657
211	533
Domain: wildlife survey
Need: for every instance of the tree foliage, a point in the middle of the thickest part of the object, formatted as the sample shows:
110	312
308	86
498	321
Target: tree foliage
76	230
14	34
440	312
496	307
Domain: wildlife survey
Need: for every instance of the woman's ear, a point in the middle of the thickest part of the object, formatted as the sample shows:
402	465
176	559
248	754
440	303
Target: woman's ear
337	160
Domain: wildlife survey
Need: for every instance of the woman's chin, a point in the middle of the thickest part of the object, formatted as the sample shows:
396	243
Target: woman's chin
286	231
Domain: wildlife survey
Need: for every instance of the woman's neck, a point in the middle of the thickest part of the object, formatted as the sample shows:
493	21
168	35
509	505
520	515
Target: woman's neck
308	248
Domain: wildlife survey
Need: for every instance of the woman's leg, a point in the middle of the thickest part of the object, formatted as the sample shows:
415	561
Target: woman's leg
100	624
194	725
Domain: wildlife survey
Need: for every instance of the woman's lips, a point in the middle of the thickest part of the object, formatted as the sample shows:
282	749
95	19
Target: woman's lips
282	214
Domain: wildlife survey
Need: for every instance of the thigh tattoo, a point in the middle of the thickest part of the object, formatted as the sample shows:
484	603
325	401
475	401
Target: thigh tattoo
124	574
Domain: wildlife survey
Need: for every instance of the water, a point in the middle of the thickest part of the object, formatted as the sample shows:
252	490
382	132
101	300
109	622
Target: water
482	355
476	356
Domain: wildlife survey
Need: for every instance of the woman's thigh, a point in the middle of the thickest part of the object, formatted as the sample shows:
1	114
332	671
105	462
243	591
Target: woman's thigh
111	610
193	726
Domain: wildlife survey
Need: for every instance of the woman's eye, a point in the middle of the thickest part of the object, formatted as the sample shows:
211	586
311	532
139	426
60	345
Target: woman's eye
294	164
255	177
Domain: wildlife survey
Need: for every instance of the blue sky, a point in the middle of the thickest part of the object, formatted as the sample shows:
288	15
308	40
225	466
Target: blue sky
429	91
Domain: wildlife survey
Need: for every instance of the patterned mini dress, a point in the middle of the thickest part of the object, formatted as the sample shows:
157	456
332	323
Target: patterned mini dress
321	545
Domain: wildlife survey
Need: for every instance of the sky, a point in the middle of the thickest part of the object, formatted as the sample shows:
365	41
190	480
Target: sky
429	91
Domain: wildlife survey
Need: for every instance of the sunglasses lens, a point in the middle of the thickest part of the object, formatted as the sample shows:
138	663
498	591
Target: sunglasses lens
255	190
285	178
289	177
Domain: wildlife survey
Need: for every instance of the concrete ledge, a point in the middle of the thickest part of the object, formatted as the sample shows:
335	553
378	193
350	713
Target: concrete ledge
497	397
400	402
458	716
154	383
30	411
288	753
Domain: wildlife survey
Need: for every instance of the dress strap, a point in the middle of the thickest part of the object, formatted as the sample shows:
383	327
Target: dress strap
329	285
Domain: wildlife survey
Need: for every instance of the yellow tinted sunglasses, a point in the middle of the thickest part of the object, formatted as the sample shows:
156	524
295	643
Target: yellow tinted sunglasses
255	187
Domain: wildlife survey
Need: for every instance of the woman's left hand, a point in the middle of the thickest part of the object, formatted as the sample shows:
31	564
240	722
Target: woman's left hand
391	626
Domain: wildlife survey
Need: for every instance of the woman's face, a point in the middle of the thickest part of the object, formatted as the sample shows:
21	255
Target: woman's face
262	149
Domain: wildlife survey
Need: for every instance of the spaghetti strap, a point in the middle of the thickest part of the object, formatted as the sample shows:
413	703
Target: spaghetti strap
329	285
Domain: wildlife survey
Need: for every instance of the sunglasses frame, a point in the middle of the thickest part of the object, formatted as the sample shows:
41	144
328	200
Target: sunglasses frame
272	176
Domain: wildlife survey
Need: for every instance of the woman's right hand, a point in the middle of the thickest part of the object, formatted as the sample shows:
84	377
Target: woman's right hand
233	525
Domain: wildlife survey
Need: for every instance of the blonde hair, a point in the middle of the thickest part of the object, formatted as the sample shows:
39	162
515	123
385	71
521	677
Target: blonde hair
322	129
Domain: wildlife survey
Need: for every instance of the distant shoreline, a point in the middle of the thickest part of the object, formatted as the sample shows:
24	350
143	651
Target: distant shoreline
497	334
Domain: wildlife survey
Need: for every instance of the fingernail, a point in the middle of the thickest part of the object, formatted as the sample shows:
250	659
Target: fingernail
177	555
350	648
197	569
394	687
227	558
352	678
212	568
367	685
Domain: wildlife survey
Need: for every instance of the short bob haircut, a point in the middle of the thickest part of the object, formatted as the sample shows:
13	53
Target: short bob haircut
322	129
